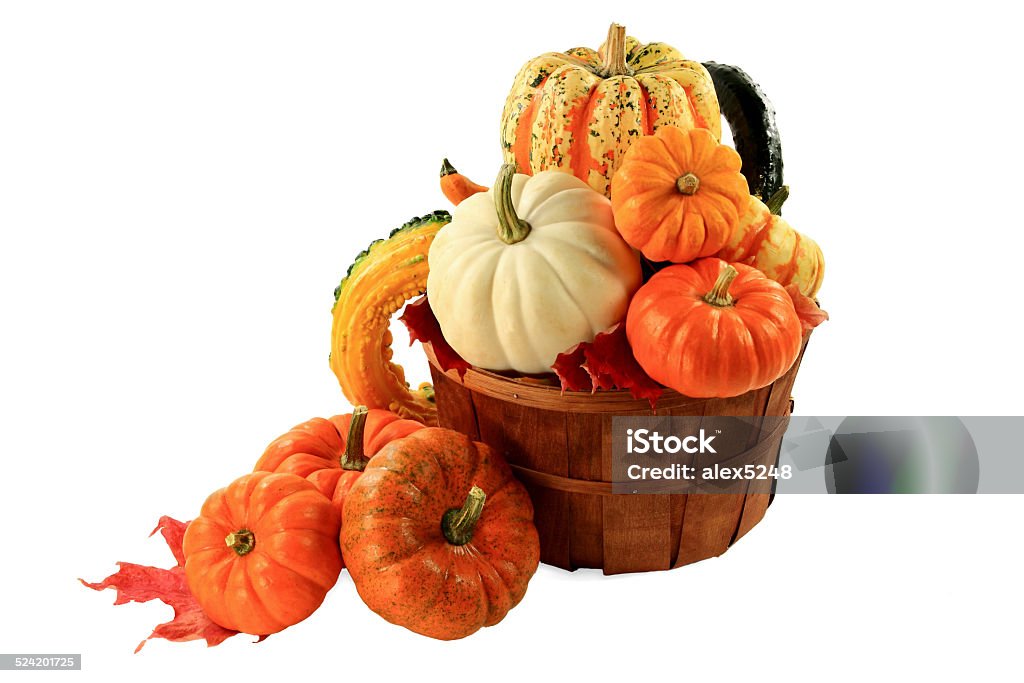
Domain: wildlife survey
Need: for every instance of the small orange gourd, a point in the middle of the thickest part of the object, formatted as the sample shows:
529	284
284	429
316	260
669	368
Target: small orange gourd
332	453
729	329
456	186
678	195
263	552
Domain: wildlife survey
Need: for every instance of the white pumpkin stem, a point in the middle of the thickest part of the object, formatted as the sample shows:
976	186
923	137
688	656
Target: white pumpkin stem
615	53
354	458
511	228
719	294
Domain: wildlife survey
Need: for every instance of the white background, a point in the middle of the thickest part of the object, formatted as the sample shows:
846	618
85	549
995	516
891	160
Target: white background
183	184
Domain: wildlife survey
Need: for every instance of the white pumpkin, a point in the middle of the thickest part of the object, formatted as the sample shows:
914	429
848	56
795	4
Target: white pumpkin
528	269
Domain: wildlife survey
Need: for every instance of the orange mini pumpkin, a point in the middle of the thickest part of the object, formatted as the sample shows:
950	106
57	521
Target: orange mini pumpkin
438	535
263	552
713	329
678	195
332	453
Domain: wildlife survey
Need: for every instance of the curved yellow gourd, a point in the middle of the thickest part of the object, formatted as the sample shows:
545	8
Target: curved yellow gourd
378	284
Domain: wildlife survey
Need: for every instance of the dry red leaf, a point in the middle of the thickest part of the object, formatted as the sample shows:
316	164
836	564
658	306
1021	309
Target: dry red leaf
611	356
423	327
138	583
807	309
609	363
571	373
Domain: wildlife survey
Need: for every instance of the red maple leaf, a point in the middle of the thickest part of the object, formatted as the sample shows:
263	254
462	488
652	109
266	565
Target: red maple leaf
138	583
609	363
423	327
571	373
810	314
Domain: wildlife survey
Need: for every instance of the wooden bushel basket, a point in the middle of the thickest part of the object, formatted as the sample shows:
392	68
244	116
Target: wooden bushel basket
560	447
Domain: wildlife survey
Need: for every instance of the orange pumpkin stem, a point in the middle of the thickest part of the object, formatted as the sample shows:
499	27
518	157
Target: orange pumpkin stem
615	53
719	294
688	184
242	541
354	457
458	523
511	228
447	168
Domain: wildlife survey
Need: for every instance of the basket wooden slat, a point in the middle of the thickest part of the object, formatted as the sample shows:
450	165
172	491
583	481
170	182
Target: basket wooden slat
561	447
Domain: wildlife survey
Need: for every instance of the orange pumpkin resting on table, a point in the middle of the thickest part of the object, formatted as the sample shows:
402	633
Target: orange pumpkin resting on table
438	535
332	453
730	329
678	195
263	552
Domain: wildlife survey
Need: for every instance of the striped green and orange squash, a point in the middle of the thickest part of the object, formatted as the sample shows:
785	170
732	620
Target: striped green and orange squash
578	111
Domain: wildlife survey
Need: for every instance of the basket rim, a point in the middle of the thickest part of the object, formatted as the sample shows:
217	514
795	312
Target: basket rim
548	397
545	397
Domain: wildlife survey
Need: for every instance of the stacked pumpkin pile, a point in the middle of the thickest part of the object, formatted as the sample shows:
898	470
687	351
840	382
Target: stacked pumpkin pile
630	222
626	209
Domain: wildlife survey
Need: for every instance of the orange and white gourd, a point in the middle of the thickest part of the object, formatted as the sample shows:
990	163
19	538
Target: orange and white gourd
529	269
762	239
580	110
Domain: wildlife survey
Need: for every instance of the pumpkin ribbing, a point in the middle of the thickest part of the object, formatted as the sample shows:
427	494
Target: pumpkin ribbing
579	111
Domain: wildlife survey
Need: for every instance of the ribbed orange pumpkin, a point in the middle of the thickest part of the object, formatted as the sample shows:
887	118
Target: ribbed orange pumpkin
579	111
762	239
678	195
333	453
263	552
438	535
712	329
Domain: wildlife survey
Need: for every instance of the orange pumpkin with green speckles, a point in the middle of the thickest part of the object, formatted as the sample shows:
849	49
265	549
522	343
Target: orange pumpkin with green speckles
438	535
579	111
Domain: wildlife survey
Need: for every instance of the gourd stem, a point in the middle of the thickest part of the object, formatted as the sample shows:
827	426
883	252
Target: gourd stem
511	228
458	523
242	541
614	63
719	294
447	168
688	183
776	201
353	458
